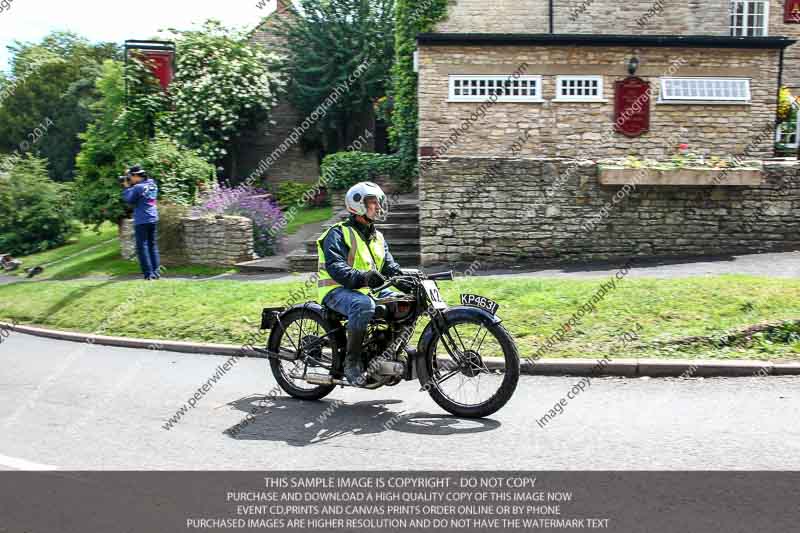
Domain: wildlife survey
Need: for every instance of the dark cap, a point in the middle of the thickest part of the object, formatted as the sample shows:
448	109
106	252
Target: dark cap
136	170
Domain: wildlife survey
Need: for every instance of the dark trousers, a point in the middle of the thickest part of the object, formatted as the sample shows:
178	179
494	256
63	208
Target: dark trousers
147	249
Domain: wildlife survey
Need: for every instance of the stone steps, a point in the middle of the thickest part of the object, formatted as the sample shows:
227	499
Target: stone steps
401	230
395	245
306	262
394	231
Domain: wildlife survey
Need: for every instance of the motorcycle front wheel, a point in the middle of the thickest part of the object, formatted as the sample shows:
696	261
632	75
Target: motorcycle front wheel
302	332
477	375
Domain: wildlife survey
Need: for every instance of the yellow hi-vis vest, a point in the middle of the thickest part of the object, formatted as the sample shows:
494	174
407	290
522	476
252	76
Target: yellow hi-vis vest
358	257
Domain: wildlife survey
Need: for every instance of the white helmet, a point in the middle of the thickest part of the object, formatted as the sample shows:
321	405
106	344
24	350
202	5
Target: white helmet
356	200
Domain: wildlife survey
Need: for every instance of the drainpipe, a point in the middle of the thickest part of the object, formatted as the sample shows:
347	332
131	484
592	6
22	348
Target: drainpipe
552	8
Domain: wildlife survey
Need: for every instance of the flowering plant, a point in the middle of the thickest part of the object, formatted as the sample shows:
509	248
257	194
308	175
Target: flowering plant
223	85
249	202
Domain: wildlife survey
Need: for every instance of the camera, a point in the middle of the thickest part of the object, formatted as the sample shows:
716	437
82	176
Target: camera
124	179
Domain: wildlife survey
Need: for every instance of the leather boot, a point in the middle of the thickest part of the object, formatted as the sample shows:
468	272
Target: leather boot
353	367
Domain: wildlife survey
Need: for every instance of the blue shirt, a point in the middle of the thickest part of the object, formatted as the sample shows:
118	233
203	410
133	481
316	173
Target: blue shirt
143	197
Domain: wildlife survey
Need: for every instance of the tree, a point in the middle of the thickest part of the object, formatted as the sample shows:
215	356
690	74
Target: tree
126	131
223	87
53	79
343	48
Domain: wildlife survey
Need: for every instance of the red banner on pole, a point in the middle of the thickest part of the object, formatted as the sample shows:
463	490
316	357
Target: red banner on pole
791	12
160	63
632	106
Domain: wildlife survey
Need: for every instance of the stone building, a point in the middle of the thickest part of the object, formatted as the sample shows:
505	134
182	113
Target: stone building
519	99
297	163
267	146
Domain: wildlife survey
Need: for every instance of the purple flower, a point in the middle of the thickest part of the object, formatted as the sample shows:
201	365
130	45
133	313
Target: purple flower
252	203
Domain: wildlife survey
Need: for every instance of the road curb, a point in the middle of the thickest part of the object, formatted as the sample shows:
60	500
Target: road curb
629	368
129	342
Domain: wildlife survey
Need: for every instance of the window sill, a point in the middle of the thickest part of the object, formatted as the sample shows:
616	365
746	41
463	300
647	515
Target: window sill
704	102
580	100
499	101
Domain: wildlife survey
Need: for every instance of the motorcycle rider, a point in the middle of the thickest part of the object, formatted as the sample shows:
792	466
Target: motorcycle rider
354	257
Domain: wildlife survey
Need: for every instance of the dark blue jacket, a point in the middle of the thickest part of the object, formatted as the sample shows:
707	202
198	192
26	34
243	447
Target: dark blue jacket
143	197
336	250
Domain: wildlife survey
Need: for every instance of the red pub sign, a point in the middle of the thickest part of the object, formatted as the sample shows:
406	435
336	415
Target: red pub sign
160	63
159	56
791	11
632	106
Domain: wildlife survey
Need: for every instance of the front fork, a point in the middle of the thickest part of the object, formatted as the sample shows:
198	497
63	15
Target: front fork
440	325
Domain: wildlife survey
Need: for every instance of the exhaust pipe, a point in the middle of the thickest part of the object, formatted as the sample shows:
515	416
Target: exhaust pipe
391	368
284	355
320	379
385	369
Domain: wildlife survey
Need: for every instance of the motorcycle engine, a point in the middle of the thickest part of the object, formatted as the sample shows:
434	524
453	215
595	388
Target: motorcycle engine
382	366
379	341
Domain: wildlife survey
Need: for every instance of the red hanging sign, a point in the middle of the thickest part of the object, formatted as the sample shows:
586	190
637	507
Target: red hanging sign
632	106
160	63
791	12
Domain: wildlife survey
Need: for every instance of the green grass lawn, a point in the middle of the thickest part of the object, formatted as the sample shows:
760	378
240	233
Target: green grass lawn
97	253
310	215
532	309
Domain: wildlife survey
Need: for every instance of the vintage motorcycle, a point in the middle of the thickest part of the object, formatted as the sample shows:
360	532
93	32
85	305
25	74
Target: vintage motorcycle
465	359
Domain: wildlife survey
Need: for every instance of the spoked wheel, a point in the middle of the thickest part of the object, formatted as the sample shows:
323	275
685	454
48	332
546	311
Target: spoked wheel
303	332
479	372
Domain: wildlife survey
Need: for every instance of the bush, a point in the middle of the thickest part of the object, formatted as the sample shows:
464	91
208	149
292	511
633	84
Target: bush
115	139
181	174
252	203
35	212
121	136
292	193
344	169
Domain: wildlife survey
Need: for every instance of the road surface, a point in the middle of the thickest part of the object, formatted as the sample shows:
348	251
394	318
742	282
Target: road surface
74	406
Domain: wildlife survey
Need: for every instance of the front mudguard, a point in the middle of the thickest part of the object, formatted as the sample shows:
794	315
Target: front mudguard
451	314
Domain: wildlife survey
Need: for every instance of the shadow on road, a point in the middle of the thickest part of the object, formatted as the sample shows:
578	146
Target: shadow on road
301	423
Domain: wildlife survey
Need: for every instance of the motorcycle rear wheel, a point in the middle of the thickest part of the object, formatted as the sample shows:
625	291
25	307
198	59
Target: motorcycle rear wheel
297	329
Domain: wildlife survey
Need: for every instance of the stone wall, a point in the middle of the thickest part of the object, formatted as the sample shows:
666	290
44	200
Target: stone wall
653	17
791	66
633	17
498	16
577	129
502	211
216	241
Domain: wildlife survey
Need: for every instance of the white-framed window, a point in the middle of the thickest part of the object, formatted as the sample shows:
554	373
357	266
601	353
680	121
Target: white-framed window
749	18
508	88
705	89
579	88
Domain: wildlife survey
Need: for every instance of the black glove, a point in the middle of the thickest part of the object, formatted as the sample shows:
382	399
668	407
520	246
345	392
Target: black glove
374	279
405	286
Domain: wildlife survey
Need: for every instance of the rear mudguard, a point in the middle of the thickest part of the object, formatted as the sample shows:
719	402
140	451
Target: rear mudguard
452	314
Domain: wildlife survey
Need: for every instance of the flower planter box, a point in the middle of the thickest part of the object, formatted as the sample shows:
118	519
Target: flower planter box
611	175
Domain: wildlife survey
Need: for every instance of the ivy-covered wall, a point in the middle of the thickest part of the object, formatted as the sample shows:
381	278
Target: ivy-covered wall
412	17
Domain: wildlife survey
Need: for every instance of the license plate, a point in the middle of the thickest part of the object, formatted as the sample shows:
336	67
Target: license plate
433	294
481	302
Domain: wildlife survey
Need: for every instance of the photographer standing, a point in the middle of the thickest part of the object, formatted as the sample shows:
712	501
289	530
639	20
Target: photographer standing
141	192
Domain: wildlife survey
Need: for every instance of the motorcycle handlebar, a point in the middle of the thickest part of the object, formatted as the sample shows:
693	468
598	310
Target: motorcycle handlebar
439	276
442	276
